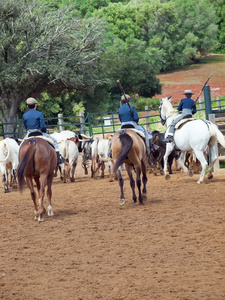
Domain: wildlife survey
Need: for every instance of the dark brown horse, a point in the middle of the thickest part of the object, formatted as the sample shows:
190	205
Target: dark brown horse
129	148
38	161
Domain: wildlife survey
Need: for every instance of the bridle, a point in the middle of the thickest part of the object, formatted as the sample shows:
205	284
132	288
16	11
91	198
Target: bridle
163	121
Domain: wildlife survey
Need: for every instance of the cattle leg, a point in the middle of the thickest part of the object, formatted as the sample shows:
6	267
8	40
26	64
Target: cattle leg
132	182
5	179
14	176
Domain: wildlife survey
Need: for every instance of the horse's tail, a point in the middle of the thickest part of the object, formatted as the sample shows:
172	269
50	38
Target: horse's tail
216	132
29	155
126	144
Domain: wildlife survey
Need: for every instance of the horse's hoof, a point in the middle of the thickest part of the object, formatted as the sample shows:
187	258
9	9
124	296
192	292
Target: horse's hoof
122	201
210	176
86	172
141	202
199	182
72	179
190	173
144	196
50	212
40	219
6	191
167	176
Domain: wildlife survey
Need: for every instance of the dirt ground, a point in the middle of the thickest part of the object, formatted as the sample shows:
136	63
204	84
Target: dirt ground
172	247
193	77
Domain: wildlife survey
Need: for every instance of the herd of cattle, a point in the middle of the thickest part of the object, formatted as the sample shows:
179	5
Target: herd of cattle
95	152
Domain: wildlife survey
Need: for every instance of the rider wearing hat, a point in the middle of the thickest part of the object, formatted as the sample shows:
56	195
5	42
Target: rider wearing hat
127	117
188	108
34	120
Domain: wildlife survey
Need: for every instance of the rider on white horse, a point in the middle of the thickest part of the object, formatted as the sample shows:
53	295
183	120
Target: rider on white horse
188	108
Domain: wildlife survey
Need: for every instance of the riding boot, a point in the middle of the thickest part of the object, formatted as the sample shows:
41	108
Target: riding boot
168	139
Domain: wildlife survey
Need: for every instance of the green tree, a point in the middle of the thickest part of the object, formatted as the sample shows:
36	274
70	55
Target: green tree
45	50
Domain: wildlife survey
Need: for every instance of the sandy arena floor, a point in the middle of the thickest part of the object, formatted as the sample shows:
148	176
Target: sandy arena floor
173	247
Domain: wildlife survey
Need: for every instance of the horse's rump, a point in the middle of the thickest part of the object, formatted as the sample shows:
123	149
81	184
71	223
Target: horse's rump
36	156
127	145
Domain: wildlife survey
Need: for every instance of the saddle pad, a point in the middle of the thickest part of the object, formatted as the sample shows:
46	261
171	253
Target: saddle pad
182	122
50	141
137	131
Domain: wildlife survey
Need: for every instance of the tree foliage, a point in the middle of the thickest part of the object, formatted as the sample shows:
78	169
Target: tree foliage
44	50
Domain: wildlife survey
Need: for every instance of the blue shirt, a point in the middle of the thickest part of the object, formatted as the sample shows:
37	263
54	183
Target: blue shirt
187	103
125	114
34	119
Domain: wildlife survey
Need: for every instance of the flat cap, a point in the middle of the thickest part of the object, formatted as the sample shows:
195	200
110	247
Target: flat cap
31	101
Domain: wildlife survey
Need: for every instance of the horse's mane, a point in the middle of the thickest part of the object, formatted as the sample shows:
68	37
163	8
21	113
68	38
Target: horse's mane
170	109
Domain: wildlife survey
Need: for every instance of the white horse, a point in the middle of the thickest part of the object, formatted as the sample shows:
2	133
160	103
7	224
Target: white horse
194	135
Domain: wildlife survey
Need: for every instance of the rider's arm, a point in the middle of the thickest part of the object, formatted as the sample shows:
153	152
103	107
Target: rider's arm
42	123
194	110
135	114
180	106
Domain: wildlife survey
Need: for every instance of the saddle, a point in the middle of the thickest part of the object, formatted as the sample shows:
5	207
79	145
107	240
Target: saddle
182	122
38	133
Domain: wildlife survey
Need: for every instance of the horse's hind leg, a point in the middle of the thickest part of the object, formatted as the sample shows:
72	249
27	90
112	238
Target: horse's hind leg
49	194
121	182
138	182
33	195
181	161
200	156
144	180
213	160
132	182
43	182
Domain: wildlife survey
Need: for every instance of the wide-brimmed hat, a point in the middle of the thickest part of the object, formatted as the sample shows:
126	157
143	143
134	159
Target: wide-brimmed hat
31	101
188	92
123	98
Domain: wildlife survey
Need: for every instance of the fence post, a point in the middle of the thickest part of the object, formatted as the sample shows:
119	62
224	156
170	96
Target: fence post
218	102
60	120
147	119
82	126
217	163
201	104
89	124
208	104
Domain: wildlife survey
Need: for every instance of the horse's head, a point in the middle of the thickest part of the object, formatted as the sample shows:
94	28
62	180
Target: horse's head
165	108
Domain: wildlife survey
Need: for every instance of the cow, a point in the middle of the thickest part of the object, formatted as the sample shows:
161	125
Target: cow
157	138
69	150
100	150
9	150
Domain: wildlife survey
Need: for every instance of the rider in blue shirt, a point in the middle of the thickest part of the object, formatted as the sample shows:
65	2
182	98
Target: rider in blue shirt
127	117
34	120
188	108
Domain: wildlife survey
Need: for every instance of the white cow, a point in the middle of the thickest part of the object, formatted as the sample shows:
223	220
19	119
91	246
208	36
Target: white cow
100	151
63	135
69	150
9	150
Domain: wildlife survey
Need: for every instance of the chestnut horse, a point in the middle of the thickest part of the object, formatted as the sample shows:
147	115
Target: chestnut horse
129	148
38	161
